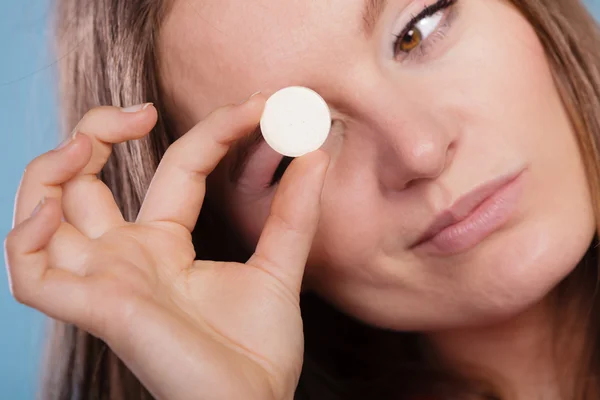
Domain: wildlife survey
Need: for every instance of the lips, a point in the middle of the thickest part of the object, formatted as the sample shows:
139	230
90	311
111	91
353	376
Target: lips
465	207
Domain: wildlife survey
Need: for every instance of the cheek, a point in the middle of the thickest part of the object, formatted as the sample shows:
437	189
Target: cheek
517	116
349	229
510	114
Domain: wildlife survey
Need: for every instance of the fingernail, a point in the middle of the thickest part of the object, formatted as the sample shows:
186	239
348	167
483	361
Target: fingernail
67	141
136	108
39	206
251	96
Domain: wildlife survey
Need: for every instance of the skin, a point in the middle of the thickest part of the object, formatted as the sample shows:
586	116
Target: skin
134	285
410	136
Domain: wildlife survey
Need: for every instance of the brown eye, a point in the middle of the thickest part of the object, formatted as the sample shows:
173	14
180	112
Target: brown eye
415	36
410	40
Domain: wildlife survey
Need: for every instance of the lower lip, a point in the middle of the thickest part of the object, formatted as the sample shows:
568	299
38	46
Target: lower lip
487	218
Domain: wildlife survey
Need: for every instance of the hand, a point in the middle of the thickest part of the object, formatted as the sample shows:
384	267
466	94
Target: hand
188	329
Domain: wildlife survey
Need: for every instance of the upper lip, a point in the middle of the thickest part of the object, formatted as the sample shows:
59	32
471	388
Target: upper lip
464	206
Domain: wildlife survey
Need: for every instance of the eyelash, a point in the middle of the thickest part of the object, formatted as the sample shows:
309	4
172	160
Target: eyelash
279	171
429	11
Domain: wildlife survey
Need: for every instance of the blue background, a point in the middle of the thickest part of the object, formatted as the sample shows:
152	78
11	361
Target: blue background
29	127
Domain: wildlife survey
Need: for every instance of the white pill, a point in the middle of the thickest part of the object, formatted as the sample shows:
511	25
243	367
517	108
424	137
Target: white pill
295	121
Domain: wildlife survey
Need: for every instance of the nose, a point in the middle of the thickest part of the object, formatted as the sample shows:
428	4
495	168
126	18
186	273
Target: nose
412	143
412	154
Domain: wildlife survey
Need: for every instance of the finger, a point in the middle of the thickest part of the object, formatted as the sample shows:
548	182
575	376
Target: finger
25	247
69	250
55	292
44	176
177	190
87	202
287	237
108	125
45	235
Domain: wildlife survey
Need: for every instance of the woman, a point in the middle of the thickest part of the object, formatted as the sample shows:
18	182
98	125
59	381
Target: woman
443	239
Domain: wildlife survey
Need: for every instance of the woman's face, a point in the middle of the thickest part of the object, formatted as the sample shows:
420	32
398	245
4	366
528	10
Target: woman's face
463	101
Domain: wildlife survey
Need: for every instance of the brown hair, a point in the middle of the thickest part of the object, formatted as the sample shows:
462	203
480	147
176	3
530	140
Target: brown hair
109	55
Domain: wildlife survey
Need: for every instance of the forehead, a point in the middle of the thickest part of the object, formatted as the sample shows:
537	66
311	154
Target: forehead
218	51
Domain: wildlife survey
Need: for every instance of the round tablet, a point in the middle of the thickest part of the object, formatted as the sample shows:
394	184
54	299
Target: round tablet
295	121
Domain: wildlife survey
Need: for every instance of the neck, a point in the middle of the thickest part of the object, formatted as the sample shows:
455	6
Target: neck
518	354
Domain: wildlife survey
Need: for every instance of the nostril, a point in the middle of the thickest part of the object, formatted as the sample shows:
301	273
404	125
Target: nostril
434	169
411	183
450	154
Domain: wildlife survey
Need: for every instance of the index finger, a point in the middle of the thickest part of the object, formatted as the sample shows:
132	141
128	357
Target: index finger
85	153
177	190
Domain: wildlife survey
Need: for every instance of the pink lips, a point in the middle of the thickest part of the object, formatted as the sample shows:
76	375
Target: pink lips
473	217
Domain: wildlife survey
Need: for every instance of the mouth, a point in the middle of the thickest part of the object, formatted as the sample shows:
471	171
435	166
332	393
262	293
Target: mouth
473	217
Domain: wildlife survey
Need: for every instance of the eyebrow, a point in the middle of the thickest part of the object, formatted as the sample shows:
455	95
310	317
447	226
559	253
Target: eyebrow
243	149
371	14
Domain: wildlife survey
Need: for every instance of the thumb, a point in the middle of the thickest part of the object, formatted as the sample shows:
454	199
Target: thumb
287	237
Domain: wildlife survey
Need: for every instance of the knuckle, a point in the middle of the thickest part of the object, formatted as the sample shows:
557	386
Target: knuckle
175	157
42	166
171	154
172	150
284	224
263	261
221	113
92	115
34	168
18	292
10	244
225	110
17	286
